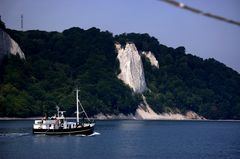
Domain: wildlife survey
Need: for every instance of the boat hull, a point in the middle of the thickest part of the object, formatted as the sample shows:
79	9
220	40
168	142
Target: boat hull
82	130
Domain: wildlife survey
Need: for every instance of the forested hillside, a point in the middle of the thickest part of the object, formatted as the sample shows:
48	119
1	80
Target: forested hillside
56	63
188	82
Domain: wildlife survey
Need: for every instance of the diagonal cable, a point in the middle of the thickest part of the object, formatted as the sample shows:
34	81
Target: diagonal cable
197	11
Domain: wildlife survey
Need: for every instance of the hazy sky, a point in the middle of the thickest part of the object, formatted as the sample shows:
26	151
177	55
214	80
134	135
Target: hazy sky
201	36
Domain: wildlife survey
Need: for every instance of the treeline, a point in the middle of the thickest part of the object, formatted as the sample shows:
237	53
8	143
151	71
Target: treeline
56	63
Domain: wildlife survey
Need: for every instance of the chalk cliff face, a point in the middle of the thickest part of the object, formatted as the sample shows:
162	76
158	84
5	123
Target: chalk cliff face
151	58
132	73
145	112
131	67
9	46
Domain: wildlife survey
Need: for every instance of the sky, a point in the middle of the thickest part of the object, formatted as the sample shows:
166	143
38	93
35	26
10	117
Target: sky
172	26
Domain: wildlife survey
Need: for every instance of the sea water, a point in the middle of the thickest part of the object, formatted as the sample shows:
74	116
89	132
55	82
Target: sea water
126	139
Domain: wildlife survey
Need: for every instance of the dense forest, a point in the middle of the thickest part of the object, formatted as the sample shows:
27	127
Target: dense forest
56	63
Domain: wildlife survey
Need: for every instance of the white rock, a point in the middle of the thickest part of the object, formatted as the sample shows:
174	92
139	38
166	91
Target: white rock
131	67
152	58
9	46
145	112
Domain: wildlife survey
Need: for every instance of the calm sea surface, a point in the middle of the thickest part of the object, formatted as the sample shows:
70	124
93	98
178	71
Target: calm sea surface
126	139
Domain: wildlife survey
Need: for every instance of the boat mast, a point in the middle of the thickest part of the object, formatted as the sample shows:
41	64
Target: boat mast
83	111
77	106
57	110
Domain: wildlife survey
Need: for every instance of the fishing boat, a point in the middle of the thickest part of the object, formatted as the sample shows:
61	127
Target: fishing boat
58	125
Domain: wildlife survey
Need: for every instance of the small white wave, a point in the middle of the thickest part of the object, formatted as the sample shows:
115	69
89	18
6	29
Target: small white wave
93	134
13	134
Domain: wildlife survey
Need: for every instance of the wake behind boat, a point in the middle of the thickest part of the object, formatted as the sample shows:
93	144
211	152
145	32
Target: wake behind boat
58	125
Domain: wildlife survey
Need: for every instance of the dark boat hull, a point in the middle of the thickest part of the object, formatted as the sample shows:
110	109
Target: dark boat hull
82	130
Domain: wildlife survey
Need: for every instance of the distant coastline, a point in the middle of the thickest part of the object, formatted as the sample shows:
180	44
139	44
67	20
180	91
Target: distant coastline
201	120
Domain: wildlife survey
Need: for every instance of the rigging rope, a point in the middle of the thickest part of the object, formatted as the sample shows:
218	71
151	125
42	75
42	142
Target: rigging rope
197	11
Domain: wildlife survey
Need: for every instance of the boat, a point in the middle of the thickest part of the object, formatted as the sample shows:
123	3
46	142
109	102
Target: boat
58	124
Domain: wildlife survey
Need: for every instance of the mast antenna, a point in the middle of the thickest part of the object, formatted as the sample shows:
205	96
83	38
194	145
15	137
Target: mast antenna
22	22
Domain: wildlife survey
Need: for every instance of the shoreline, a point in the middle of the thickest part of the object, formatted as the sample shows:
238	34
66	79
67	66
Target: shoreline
72	118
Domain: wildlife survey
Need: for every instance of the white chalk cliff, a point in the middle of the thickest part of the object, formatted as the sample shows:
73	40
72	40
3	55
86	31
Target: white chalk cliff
145	112
151	58
9	46
132	74
131	67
